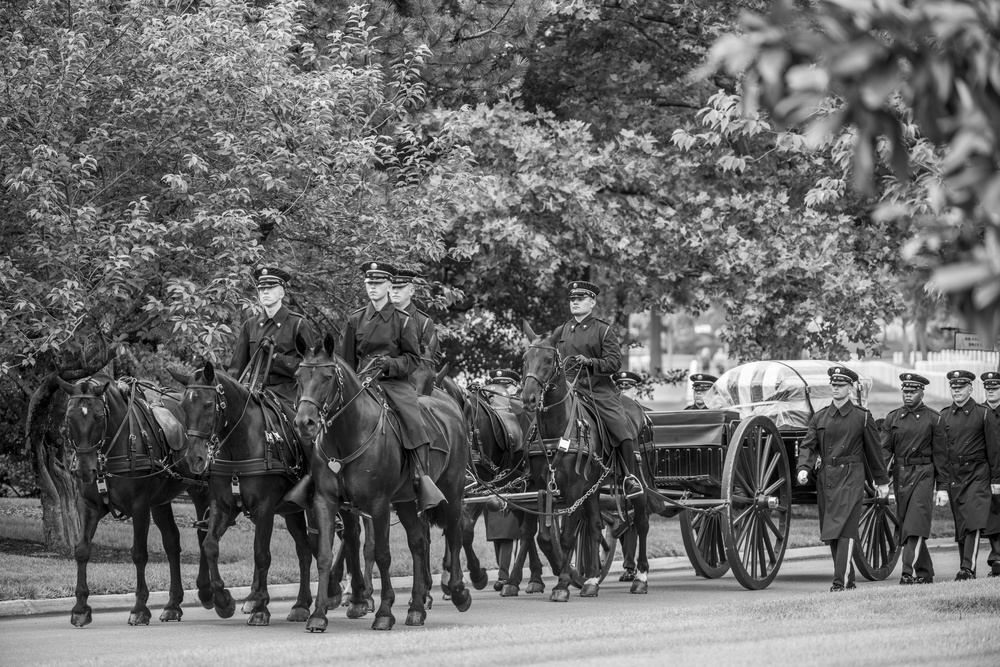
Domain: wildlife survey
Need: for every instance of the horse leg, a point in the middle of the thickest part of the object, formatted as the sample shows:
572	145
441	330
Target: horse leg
477	573
163	517
384	620
218	519
296	526
556	547
358	602
324	510
640	584
335	591
428	578
416	529
250	601
529	525
454	534
369	565
264	515
203	581
592	568
91	515
535	582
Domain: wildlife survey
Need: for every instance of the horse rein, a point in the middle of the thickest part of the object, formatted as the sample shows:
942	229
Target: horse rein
215	443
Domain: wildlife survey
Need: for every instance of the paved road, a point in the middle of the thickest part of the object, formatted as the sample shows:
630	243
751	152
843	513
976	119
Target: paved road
41	639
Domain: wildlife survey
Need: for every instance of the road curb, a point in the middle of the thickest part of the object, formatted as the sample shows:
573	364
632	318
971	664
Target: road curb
285	592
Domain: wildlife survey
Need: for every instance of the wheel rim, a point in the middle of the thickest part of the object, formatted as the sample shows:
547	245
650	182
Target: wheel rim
877	551
757	492
704	543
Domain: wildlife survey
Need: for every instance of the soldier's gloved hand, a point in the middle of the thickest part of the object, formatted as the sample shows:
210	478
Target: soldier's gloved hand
803	477
995	489
941	498
581	360
380	364
882	491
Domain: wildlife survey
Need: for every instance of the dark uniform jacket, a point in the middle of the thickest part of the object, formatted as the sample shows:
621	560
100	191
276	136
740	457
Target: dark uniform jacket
430	348
973	459
841	440
597	340
914	439
695	407
388	332
993	521
282	327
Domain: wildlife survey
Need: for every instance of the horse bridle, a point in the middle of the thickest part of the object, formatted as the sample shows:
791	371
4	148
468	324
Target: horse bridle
104	441
215	443
550	383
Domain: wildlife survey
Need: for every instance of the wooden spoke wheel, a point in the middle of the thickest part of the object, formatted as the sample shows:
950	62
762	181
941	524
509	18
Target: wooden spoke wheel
704	543
757	495
580	554
876	553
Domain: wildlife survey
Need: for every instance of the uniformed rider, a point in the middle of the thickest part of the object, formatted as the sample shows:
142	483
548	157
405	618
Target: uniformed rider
972	470
840	439
628	383
381	339
502	527
592	355
913	438
401	293
700	384
991	383
275	329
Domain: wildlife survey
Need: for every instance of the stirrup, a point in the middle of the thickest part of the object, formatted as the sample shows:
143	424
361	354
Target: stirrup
632	487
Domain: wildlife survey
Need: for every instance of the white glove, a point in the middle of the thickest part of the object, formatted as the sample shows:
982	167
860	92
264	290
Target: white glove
882	491
803	477
941	498
995	489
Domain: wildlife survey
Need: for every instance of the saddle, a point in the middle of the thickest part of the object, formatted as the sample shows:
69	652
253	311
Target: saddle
504	421
282	439
583	444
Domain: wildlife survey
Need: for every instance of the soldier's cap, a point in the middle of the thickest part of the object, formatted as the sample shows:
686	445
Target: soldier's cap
914	381
405	276
703	380
583	288
505	375
626	378
377	272
268	276
841	375
991	379
960	378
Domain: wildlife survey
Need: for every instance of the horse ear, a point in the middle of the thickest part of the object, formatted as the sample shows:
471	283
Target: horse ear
441	374
209	372
532	336
329	344
300	345
103	388
181	378
64	385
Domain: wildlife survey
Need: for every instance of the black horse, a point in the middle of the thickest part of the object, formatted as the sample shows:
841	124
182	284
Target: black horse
130	461
568	456
251	463
358	459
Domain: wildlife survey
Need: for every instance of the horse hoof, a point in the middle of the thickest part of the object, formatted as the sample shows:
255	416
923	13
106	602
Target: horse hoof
139	618
316	624
226	611
335	600
416	618
509	591
357	610
383	623
81	618
446	596
479	583
259	618
345	603
205	598
462	600
535	587
559	595
298	615
171	615
369	605
589	591
639	587
248	606
445	576
576	579
428	601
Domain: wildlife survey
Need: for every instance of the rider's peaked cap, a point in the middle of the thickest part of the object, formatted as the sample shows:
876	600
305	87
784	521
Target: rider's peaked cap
841	374
960	378
378	271
914	381
267	276
583	288
505	374
991	379
626	378
404	276
703	380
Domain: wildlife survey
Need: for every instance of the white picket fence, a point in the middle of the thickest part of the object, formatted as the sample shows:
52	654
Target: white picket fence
935	368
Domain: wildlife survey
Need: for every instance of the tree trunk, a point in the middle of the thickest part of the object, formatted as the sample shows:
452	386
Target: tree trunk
51	461
655	347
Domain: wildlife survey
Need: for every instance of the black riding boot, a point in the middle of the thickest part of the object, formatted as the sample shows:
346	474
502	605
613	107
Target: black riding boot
429	495
298	498
631	486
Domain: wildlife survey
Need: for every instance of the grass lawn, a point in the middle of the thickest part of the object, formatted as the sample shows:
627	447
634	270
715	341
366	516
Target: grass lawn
30	573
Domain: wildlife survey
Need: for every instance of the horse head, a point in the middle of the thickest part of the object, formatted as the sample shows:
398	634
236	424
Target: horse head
203	406
87	417
542	371
320	381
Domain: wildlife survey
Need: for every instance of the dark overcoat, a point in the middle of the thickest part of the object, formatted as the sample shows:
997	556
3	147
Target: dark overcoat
430	348
993	520
502	526
842	441
596	339
388	332
973	460
913	439
283	328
